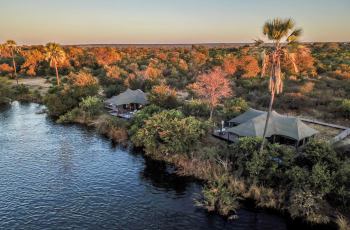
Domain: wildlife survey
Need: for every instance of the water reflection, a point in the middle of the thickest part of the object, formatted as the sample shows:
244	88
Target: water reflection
69	177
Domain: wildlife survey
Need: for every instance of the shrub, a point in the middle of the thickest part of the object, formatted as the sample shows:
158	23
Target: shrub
59	103
169	132
163	97
113	90
73	115
344	108
114	128
92	106
6	93
196	108
235	107
318	152
292	101
219	196
21	89
310	205
138	121
267	169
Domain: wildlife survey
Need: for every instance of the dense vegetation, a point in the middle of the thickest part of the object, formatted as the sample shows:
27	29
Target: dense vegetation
321	84
313	186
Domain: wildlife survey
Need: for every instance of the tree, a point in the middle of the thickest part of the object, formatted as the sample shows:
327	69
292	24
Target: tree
170	133
106	56
230	64
55	54
3	51
212	86
275	31
5	69
32	58
12	46
247	67
162	96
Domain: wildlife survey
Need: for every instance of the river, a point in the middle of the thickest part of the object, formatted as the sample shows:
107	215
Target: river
70	177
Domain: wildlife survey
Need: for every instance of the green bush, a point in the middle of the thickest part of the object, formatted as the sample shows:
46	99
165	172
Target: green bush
21	89
6	93
163	97
235	107
92	106
219	196
321	153
169	132
138	121
113	90
344	108
59	103
310	205
267	169
196	108
73	115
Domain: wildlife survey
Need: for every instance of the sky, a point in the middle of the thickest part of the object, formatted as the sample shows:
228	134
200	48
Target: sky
69	22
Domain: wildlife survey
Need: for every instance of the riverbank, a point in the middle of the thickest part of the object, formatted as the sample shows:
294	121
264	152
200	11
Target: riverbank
214	169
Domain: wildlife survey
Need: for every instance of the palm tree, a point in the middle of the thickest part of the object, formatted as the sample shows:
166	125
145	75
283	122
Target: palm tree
275	31
55	54
12	46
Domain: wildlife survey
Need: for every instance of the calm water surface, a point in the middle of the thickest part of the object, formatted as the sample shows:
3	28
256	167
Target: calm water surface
69	177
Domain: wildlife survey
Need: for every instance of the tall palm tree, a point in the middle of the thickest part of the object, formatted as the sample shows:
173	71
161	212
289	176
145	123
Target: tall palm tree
12	46
55	54
275	31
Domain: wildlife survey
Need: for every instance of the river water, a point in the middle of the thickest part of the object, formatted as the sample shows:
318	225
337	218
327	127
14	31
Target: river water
70	177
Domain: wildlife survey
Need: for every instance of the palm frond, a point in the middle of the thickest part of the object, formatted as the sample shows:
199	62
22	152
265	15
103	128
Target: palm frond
291	56
294	35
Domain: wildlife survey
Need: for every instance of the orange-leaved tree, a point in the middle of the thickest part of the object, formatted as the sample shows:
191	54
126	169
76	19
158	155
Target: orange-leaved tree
212	87
275	31
106	55
55	54
32	57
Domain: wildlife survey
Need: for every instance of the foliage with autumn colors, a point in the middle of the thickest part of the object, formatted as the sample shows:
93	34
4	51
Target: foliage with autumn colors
212	87
221	82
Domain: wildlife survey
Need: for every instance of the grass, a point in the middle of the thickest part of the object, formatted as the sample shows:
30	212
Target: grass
342	223
325	133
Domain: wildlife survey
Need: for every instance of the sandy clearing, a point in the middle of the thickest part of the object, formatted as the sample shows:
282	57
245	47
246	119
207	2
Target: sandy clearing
33	83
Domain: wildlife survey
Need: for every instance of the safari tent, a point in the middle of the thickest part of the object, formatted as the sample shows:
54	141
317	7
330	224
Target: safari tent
247	116
281	129
130	99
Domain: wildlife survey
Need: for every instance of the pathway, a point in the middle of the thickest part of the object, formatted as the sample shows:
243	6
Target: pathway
228	137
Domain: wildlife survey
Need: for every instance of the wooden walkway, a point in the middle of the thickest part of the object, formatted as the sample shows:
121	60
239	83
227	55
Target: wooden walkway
122	115
339	137
226	136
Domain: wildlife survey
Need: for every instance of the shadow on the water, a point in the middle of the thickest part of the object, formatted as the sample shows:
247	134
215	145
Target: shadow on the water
161	175
4	107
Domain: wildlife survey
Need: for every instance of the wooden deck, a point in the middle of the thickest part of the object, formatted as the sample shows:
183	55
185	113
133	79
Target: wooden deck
231	137
122	115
